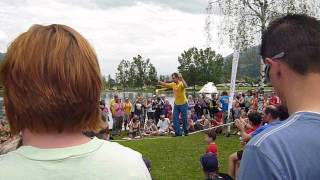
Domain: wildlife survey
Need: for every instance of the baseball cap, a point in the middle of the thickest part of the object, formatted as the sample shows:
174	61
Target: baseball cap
209	162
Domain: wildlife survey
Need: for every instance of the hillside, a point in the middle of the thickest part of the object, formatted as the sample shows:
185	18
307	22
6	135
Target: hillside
248	64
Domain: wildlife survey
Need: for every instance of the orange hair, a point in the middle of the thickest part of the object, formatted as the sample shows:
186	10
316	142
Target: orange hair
51	81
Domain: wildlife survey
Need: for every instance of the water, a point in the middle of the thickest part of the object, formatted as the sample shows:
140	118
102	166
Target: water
107	96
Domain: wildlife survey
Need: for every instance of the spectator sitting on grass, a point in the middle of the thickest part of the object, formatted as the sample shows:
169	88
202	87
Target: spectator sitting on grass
150	129
134	128
210	167
163	125
210	137
246	128
190	124
203	123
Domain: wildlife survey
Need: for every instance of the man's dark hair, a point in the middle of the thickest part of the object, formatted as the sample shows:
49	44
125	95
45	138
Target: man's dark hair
212	134
224	93
175	75
255	118
283	112
273	111
298	37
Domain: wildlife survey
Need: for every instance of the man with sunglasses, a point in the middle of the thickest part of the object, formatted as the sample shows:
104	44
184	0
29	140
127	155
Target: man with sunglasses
291	51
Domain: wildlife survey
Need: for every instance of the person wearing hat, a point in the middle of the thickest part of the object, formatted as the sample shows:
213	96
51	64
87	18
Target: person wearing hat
210	167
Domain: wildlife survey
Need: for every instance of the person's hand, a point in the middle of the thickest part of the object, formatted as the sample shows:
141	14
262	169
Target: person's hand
180	76
240	124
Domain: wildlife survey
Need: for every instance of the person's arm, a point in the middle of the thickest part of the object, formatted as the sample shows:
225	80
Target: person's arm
182	80
164	84
241	126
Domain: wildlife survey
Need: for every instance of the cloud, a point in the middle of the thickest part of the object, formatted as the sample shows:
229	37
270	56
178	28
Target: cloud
156	31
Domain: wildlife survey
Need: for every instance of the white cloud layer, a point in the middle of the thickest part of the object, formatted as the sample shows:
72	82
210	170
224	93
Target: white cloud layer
152	30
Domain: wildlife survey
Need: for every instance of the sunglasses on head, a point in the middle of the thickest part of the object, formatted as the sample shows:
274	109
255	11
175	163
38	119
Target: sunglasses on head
267	66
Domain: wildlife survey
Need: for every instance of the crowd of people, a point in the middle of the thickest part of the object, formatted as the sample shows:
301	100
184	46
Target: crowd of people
52	87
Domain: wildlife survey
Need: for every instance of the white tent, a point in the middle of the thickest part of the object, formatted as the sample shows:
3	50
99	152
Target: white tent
209	88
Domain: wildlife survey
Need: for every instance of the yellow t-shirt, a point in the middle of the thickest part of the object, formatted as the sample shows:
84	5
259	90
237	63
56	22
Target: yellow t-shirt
179	92
112	102
127	107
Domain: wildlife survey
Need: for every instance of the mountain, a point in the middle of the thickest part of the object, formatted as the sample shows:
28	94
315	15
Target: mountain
2	56
249	64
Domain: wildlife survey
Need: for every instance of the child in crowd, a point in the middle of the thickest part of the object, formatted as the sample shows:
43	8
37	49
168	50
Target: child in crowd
237	111
134	128
217	121
210	167
210	137
190	124
150	129
203	123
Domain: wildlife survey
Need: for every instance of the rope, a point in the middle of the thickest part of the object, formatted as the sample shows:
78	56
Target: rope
165	137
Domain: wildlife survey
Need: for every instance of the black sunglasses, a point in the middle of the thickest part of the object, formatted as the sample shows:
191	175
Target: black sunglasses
267	66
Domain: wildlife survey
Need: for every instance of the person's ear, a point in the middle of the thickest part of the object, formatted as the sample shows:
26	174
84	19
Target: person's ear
275	69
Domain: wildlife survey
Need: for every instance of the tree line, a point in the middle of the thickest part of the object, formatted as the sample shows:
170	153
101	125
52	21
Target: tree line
198	66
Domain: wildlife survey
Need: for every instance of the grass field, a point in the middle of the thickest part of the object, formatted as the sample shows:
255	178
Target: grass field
178	158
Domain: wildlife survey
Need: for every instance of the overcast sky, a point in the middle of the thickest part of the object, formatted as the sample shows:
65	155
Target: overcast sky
119	29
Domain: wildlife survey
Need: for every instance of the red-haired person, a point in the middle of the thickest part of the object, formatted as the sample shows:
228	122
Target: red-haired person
52	85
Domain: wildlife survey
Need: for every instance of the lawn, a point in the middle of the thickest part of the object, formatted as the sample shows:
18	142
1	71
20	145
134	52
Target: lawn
178	158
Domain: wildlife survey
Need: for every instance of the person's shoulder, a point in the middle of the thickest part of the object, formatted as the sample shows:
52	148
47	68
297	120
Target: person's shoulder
284	131
113	148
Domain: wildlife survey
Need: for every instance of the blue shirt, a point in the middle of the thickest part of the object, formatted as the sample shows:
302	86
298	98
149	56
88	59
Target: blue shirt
284	152
262	128
224	101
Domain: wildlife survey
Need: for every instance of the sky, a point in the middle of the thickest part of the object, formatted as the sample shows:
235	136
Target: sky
120	29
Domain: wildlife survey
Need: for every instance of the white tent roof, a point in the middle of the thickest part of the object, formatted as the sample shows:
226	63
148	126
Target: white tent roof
209	88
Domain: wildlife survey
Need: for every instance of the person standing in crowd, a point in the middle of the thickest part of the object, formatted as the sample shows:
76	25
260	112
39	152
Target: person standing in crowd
213	105
179	86
127	106
167	108
290	49
191	103
150	110
247	100
224	104
210	138
118	116
139	110
61	102
112	102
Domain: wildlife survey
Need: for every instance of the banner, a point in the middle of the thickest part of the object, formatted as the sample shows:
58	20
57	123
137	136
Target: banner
235	61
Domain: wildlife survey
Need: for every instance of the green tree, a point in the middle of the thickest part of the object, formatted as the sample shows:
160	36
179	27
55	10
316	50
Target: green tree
152	75
104	83
139	72
200	66
245	20
122	77
111	81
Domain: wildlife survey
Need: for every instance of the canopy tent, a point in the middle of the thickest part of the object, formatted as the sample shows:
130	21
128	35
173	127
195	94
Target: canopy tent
209	88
